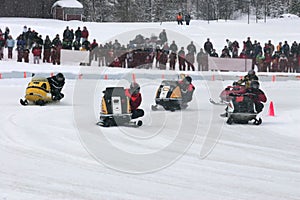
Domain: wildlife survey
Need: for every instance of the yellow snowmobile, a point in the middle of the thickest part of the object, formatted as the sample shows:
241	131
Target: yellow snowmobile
169	96
115	109
37	92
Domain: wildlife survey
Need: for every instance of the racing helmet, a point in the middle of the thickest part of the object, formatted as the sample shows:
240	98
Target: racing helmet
251	72
254	84
134	88
188	79
60	77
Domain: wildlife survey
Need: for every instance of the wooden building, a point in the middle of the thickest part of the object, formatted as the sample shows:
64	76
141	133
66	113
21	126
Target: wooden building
67	10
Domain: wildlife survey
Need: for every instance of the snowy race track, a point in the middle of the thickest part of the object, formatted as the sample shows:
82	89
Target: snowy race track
48	153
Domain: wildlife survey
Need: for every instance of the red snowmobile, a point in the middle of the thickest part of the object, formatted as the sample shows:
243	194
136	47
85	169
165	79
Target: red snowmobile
227	94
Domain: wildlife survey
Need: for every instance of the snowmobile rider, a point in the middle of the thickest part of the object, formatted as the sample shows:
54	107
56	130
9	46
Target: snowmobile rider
187	89
135	100
56	84
257	95
247	78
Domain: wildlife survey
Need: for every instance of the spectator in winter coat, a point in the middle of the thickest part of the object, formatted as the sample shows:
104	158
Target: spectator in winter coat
76	45
214	53
286	48
179	18
36	51
135	100
190	59
116	47
78	34
181	59
272	47
225	53
173	47
47	49
93	51
172	60
84	34
6	33
26	55
2	44
248	47
294	48
202	60
208	46
55	55
235	49
163	59
67	34
56	41
187	19
10	43
21	43
191	48
163	37
279	48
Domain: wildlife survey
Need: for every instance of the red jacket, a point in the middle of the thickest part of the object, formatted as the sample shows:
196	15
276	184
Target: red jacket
259	95
36	51
135	99
85	33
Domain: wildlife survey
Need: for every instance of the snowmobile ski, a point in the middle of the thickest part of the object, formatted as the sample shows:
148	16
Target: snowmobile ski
220	103
154	107
127	124
23	102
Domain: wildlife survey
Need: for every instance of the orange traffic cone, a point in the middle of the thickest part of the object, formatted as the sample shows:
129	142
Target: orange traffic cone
271	109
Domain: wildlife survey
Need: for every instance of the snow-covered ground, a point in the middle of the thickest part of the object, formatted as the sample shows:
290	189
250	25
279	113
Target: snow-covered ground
57	151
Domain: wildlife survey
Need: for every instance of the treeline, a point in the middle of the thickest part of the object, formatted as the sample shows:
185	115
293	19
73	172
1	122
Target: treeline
165	10
155	10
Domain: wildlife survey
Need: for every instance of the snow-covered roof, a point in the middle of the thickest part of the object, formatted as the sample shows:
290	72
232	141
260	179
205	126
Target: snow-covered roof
68	4
289	16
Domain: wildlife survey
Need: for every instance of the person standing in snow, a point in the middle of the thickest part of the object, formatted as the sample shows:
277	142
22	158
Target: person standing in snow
10	43
179	18
187	19
163	37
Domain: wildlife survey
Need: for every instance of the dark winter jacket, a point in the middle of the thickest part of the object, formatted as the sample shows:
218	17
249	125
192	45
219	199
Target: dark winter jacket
187	91
55	86
257	95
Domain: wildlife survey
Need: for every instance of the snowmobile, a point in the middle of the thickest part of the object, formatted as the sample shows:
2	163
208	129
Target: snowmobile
37	92
241	110
225	95
169	96
115	109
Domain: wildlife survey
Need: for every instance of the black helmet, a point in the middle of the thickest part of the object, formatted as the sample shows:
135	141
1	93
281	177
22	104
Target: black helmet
251	72
254	84
60	77
188	79
134	88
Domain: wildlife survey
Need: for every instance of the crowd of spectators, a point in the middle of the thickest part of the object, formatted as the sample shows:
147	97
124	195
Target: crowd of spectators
148	52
